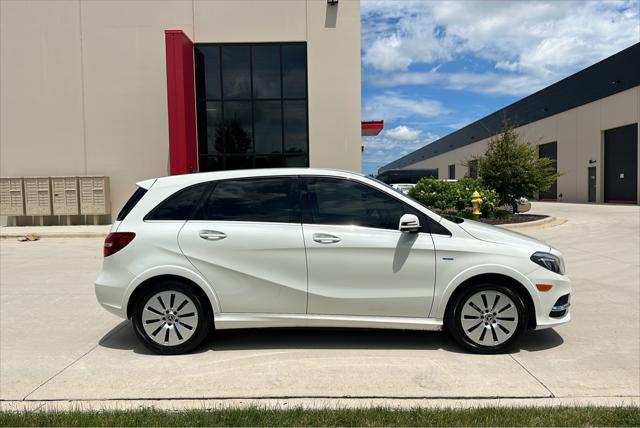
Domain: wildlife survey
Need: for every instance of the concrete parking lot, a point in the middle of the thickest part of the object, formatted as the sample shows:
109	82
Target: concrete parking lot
57	344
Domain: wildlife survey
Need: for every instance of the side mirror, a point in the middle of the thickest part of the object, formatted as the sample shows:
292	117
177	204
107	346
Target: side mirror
409	223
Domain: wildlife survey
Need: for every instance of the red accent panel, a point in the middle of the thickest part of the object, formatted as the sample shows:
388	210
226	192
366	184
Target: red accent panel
371	128
181	103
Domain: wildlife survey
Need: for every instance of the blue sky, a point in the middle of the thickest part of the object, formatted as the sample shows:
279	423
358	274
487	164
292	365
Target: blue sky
430	67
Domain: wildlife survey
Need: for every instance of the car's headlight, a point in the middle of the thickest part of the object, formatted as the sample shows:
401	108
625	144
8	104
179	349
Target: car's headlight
549	261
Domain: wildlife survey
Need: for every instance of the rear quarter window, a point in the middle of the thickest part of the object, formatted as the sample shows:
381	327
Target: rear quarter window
133	200
181	205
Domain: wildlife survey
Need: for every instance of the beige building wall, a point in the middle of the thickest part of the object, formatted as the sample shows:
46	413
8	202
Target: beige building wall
83	83
579	133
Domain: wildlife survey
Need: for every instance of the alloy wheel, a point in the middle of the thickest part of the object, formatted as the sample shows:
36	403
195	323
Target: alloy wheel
489	318
169	318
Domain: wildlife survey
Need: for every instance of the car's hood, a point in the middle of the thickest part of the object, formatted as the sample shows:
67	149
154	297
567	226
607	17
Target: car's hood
486	232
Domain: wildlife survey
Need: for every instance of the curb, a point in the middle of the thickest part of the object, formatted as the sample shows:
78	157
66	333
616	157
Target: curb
16	232
542	223
181	404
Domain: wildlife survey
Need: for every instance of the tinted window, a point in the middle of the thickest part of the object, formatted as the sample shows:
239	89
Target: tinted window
208	64
251	105
180	205
294	71
263	200
236	72
214	128
266	71
133	200
295	126
237	127
473	168
268	126
345	202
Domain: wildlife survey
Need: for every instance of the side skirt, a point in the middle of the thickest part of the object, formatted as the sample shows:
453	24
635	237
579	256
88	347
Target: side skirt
252	320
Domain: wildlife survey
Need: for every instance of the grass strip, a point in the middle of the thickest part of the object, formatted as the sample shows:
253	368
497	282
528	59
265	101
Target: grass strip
370	417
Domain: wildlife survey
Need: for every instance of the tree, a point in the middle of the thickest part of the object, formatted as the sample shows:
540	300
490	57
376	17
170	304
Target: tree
513	169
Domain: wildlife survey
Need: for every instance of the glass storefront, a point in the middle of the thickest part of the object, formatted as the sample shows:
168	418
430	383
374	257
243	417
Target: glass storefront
251	102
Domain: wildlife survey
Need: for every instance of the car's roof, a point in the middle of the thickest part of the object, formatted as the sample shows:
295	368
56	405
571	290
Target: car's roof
185	179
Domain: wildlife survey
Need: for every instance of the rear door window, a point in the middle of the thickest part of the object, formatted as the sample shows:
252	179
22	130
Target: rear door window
269	199
181	205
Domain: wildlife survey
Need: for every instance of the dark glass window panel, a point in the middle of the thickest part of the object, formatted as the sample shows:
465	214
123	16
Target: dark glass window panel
263	200
296	161
215	130
210	163
237	127
236	72
344	202
473	168
180	205
246	130
238	162
295	127
208	64
275	161
266	71
267	123
294	71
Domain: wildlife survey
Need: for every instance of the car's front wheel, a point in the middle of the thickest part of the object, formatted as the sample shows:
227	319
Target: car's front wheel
487	318
170	318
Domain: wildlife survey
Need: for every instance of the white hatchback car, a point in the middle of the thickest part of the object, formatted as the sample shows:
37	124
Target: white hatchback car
318	248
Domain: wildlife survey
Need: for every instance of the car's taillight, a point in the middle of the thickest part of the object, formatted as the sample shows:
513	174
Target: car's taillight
116	241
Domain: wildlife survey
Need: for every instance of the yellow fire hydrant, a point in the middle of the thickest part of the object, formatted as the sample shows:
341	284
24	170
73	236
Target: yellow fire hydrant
476	201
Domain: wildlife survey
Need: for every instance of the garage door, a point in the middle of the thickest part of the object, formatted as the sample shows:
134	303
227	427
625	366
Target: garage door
621	164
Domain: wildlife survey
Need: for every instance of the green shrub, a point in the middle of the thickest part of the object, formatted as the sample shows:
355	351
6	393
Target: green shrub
502	214
442	195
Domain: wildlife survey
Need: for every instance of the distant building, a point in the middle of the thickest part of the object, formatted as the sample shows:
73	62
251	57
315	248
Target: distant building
587	122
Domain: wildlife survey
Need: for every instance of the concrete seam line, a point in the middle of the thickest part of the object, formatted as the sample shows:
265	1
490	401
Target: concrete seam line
533	376
70	364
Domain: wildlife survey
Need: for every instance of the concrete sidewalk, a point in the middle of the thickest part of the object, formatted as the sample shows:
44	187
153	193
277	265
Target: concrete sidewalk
59	348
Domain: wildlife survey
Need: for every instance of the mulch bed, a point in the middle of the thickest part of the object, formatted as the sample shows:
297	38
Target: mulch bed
517	218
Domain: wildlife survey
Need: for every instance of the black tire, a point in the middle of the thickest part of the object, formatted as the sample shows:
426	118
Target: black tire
454	319
198	332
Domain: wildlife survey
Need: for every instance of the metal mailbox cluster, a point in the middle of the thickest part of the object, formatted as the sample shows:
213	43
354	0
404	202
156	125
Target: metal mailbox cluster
63	195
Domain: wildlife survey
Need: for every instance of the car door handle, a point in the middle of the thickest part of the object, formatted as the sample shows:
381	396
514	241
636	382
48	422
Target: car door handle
212	235
324	238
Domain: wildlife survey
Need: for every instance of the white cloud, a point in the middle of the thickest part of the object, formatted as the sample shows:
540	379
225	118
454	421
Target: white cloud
392	105
402	132
532	43
487	83
383	149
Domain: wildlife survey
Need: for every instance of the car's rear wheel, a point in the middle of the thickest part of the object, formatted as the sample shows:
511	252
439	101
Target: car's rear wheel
487	318
170	318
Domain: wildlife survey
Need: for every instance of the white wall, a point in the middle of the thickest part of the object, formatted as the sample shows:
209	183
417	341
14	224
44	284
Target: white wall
83	83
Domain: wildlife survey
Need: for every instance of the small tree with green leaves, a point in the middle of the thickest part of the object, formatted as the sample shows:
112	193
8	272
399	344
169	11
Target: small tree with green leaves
513	169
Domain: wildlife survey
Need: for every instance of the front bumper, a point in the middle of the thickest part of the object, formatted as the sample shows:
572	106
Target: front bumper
552	307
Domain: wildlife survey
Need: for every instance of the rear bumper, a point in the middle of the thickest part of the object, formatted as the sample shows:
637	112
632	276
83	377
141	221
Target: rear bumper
110	291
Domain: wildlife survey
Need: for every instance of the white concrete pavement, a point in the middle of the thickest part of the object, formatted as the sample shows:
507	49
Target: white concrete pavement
58	347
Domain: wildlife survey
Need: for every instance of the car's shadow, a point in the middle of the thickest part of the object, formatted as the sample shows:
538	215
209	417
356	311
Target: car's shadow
123	337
